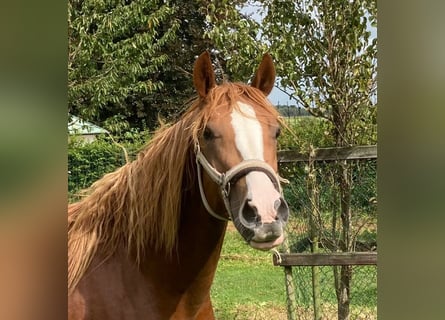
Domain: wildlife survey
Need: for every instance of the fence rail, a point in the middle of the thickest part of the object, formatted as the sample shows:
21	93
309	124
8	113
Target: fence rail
329	154
325	259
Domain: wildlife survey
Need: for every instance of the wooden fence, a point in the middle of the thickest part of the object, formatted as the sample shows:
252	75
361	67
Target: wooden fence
289	260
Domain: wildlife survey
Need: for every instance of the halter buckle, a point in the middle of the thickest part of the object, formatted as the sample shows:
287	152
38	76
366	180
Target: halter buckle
226	190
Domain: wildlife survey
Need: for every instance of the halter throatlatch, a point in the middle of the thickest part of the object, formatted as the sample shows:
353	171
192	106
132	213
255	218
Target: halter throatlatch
225	180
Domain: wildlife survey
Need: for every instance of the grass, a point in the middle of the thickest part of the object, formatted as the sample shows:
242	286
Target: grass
248	287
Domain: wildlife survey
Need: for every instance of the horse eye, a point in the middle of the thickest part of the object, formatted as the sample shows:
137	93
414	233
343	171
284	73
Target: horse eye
208	134
277	134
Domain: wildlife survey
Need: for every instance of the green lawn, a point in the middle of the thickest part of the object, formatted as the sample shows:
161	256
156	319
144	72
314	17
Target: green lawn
247	286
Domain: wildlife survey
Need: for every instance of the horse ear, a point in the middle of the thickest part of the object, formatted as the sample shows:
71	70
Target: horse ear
203	75
264	78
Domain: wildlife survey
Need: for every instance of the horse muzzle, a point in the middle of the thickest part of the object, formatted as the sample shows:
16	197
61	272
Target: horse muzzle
261	225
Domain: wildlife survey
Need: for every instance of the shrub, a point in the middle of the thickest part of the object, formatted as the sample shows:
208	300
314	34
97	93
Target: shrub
303	132
88	162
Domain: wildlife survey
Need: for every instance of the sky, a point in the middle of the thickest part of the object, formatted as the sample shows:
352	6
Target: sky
278	97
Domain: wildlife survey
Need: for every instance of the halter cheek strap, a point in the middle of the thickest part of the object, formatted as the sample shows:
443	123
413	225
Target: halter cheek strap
224	180
204	198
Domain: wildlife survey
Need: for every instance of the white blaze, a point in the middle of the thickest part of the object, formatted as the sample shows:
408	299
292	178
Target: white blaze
249	142
248	132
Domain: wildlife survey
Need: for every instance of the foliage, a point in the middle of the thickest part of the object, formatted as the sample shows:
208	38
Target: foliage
304	133
235	36
292	111
115	52
170	101
362	195
88	162
323	52
130	61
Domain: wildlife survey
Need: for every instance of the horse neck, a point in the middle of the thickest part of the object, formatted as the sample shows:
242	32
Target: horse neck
188	273
200	235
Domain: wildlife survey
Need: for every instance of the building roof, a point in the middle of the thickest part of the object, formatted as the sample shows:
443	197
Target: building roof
79	126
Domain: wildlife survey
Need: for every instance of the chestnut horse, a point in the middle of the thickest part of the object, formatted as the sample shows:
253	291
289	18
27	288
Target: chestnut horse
145	242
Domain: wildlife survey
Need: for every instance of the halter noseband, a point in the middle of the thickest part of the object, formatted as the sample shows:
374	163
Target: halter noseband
225	180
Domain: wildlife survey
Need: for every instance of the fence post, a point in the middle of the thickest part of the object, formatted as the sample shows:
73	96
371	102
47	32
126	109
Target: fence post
290	288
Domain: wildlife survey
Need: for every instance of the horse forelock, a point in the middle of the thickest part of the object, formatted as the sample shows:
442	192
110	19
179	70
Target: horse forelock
137	207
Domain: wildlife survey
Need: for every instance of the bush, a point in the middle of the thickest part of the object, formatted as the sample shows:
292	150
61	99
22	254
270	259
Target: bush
88	162
301	133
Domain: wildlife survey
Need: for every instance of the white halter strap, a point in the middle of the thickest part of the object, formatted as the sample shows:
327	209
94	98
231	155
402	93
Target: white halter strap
224	180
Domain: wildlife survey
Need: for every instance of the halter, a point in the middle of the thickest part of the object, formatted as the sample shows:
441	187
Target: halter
226	179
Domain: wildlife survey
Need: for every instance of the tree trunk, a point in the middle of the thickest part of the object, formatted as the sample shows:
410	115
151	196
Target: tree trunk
314	236
343	292
344	280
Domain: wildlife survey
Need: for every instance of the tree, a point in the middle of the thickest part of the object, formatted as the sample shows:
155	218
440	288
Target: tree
323	51
130	61
234	34
115	55
325	55
170	100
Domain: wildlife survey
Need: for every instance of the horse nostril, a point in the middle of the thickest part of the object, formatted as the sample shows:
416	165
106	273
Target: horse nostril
282	210
277	204
249	214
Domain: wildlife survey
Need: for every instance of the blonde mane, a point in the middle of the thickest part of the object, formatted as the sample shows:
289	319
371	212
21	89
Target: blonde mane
138	206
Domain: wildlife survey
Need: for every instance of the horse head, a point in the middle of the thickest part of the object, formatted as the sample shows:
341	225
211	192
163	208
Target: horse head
237	150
